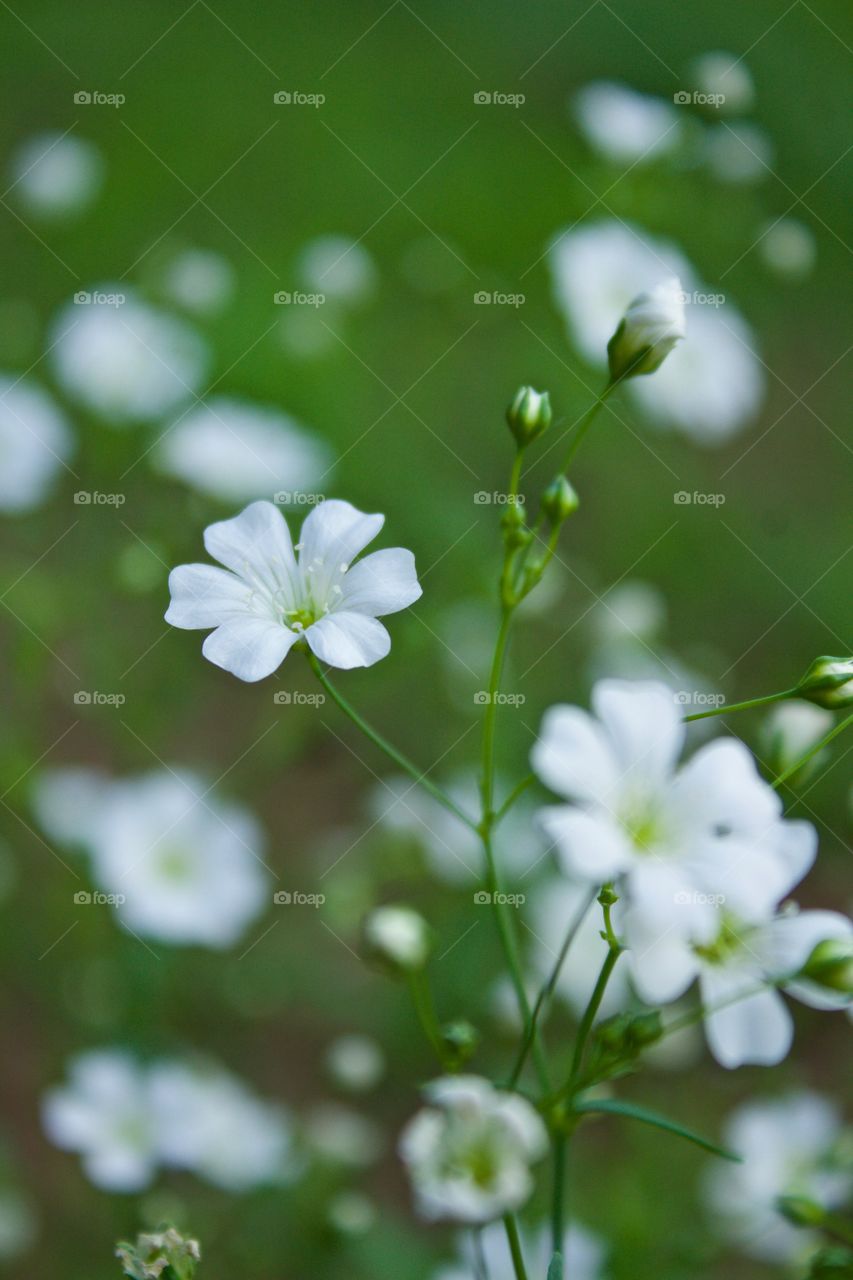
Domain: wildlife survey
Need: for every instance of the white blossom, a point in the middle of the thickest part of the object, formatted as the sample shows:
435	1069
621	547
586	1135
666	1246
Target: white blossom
740	153
625	126
57	175
398	935
724	74
266	600
200	281
339	1135
338	268
355	1062
789	248
469	1151
35	443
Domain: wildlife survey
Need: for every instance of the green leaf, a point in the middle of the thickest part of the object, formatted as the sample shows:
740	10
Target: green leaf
555	1270
612	1106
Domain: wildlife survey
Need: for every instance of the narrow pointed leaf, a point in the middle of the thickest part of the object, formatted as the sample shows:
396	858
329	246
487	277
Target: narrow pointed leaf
613	1106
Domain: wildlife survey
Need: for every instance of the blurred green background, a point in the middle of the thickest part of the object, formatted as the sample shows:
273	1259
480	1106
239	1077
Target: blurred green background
409	390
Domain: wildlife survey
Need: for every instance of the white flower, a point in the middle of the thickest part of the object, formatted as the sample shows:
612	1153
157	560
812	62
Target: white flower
469	1152
35	441
208	1122
712	384
678	838
582	1252
355	1062
56	175
398	935
746	1020
739	153
127	362
788	247
338	268
200	281
265	600
651	326
790	1146
717	73
341	1136
103	1113
624	125
791	729
236	451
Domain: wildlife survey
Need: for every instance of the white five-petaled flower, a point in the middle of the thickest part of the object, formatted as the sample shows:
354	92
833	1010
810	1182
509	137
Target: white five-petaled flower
679	839
266	598
469	1152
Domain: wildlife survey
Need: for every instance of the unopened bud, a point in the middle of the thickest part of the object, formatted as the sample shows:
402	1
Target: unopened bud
514	527
648	331
461	1040
529	415
559	500
828	682
830	965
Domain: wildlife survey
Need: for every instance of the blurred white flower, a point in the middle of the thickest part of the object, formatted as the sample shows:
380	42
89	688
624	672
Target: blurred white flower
337	267
103	1114
208	1122
57	175
723	74
583	1254
200	281
264	601
399	936
624	125
788	247
469	1151
351	1213
790	1145
791	729
653	323
66	801
739	153
18	1225
339	1135
35	443
676	838
355	1062
236	450
632	611
126	362
712	384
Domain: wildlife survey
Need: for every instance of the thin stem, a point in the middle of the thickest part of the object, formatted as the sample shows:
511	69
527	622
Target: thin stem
515	474
517	790
812	751
425	1009
726	708
382	743
584	426
613	954
515	1247
558	1205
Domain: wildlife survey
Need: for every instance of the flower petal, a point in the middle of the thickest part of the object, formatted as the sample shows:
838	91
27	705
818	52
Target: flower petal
250	648
203	596
335	532
383	582
572	756
348	640
256	544
588	845
756	1029
662	963
720	789
643	724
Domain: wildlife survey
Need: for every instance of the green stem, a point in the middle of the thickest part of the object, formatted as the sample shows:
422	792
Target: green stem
382	743
613	954
425	1009
727	708
584	426
812	751
558	1205
515	1247
517	790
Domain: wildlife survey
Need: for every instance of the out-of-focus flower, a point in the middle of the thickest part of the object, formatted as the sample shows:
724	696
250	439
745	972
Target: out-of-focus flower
469	1151
236	451
264	601
788	247
35	442
355	1062
712	384
790	730
339	1135
651	326
351	1213
208	1122
740	153
123	359
103	1113
57	175
625	126
723	76
337	267
183	866
677	838
398	936
66	801
582	1252
18	1225
200	281
791	1145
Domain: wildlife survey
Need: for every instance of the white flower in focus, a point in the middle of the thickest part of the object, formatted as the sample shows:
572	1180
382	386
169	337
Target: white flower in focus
265	600
712	384
338	268
677	838
35	442
57	175
582	1252
791	1145
126	363
103	1114
624	125
399	936
236	451
469	1151
723	74
355	1062
651	326
208	1122
200	281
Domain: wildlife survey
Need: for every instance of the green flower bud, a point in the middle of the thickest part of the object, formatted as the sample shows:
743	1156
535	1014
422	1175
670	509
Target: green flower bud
607	897
648	331
162	1253
828	682
461	1039
559	500
513	524
830	965
529	415
801	1211
645	1029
